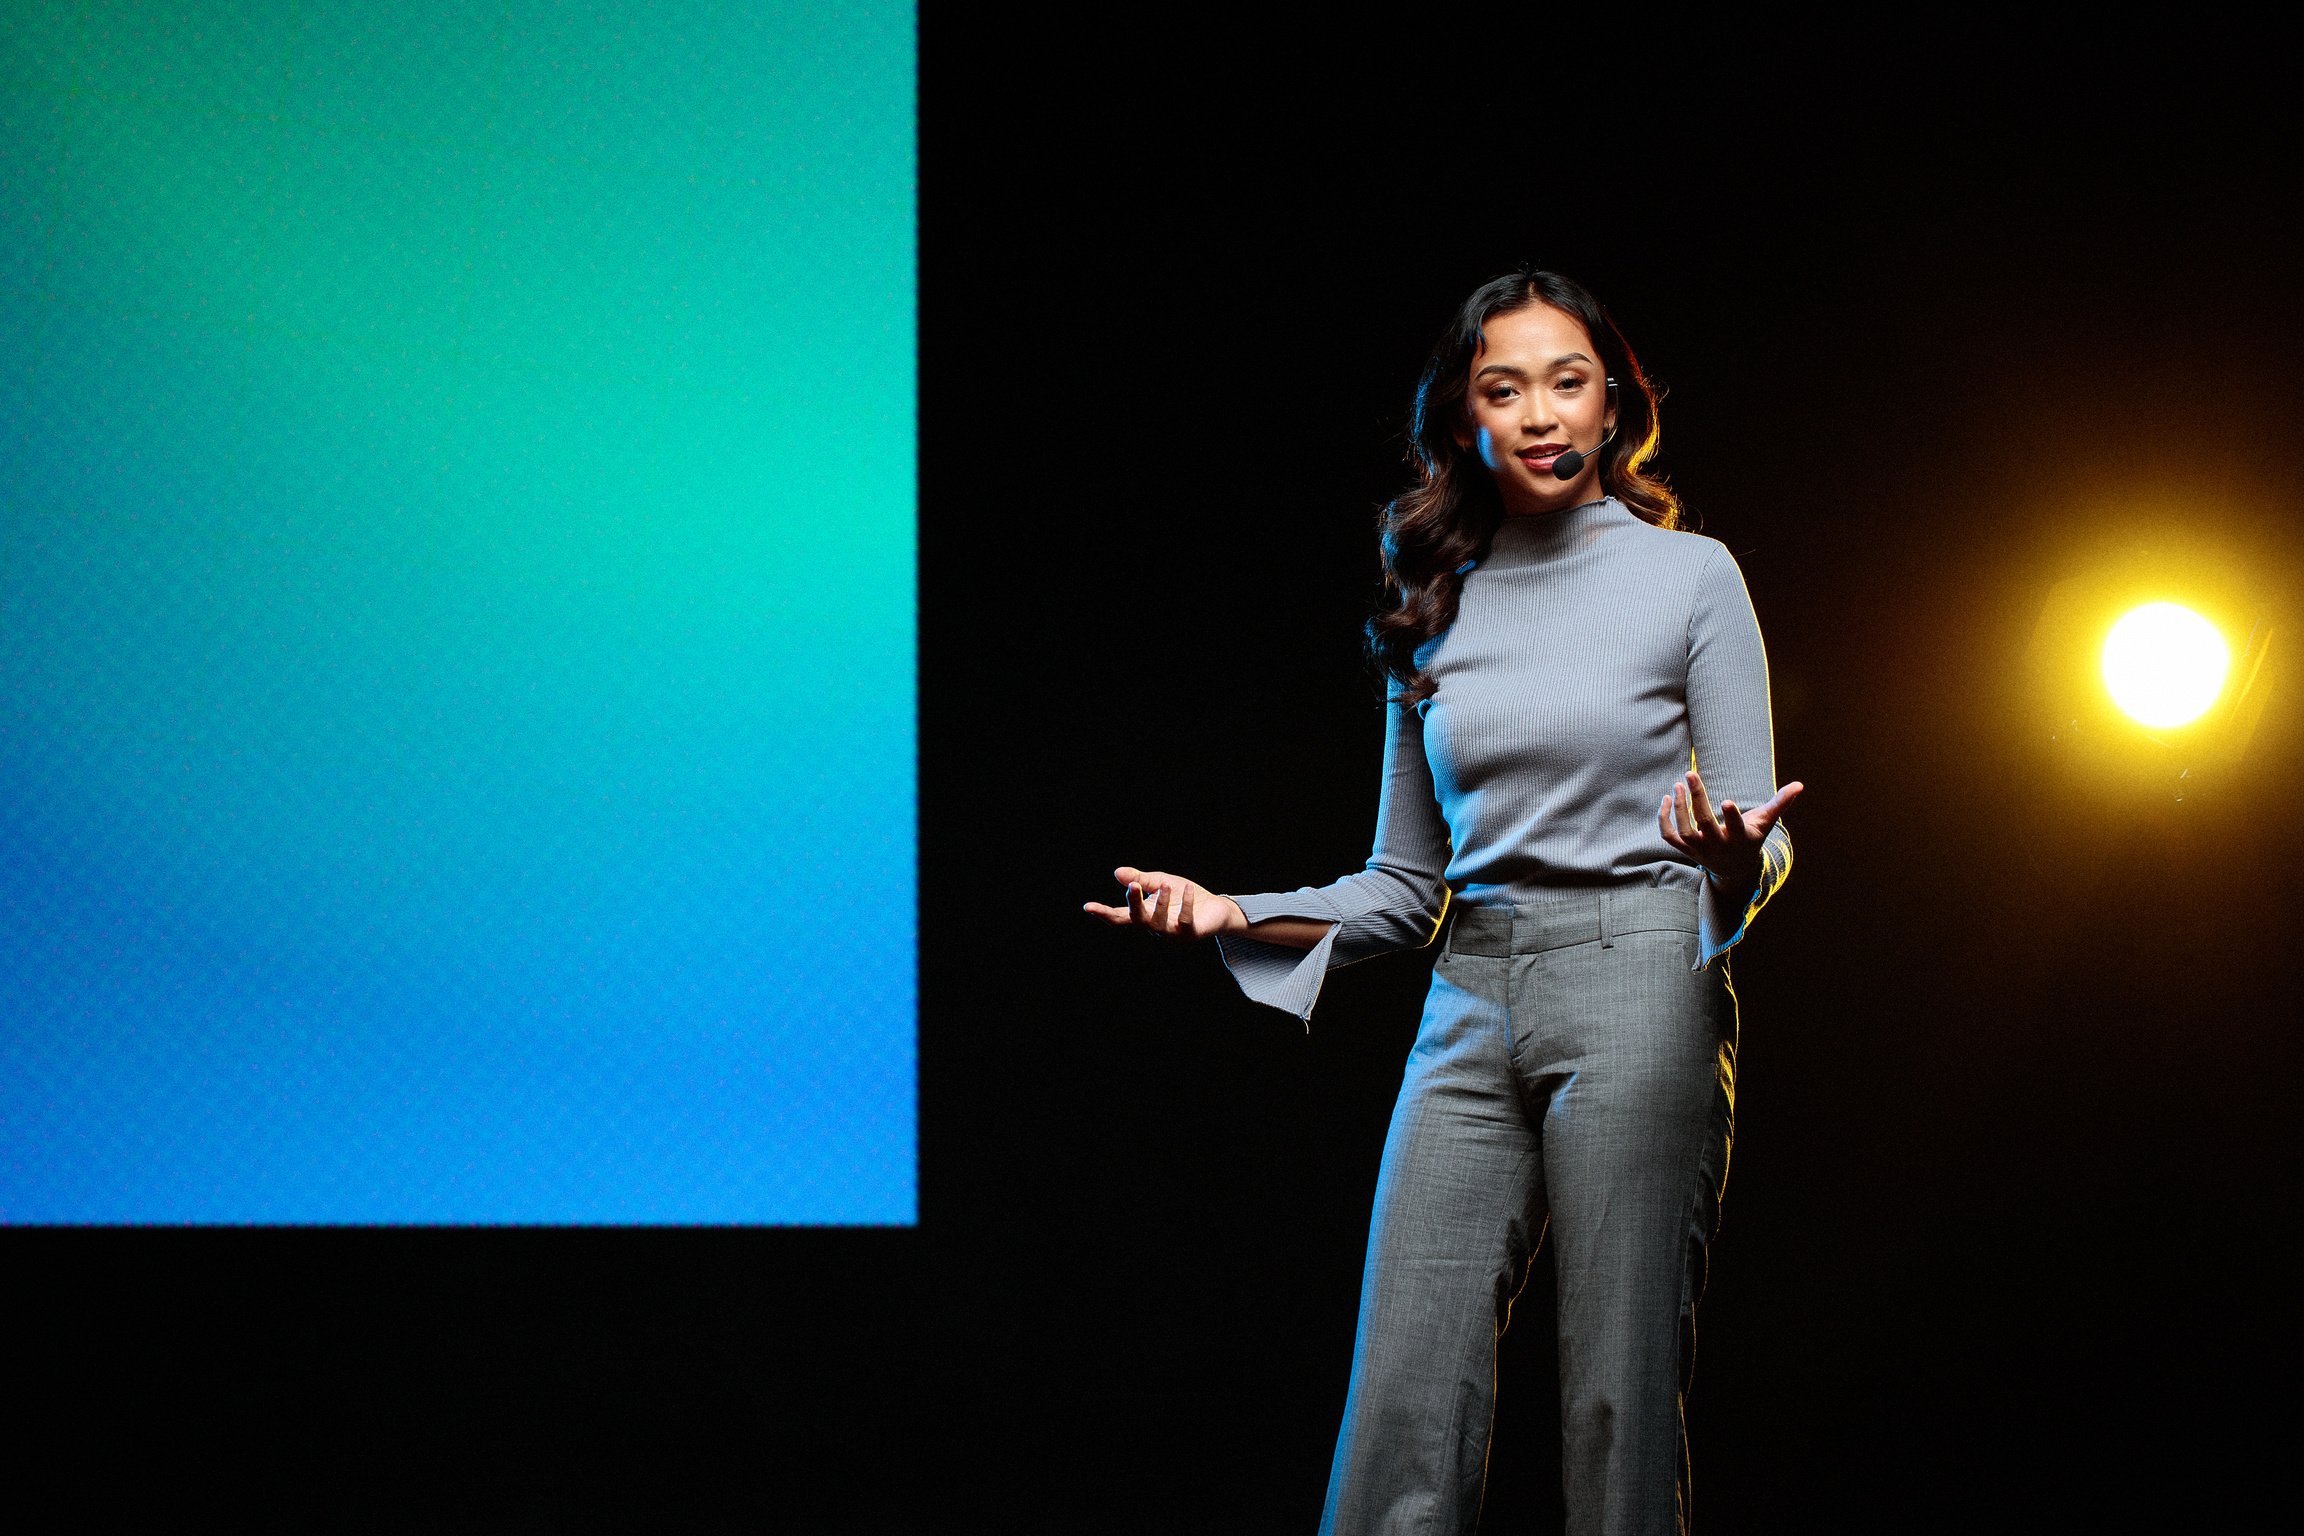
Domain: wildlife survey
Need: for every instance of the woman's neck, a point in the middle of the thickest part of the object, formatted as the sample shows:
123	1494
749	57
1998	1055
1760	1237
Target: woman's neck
1560	511
1522	501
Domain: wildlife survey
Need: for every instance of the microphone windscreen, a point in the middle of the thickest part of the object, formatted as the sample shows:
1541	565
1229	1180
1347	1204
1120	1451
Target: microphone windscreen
1568	466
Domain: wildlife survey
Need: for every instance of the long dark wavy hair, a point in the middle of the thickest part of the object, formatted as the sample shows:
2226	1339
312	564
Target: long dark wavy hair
1447	519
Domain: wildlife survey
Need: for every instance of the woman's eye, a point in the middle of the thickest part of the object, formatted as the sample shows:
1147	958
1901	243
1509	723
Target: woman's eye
1570	386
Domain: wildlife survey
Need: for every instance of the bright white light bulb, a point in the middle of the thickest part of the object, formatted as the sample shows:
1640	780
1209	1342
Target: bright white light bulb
2164	664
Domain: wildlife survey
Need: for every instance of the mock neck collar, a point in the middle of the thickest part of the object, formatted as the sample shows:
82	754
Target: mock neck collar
1542	536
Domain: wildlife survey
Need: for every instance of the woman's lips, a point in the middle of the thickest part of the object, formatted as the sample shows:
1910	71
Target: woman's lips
1541	458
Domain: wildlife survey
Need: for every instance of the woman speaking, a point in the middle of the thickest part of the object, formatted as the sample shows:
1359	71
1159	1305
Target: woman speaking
1571	682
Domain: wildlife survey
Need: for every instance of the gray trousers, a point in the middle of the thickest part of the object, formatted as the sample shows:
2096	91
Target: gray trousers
1571	1072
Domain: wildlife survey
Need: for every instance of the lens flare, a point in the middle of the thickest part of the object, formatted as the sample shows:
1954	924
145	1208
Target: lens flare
2164	664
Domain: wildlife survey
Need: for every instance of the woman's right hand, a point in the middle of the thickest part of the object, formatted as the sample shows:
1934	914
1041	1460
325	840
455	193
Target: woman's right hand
1171	906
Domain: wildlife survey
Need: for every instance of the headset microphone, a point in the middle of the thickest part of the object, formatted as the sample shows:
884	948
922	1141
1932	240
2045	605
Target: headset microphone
1571	464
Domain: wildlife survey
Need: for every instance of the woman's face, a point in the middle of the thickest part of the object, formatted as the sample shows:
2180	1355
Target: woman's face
1536	391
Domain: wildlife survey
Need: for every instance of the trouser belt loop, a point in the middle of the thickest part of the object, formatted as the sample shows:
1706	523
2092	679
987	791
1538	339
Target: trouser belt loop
1607	928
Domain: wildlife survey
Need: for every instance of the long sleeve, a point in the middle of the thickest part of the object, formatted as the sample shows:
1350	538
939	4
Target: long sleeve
1395	902
1732	739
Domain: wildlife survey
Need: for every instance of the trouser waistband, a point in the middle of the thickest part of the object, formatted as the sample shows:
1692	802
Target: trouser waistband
1574	917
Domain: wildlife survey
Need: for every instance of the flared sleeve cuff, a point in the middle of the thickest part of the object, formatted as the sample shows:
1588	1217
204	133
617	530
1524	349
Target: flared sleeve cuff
1274	974
1720	919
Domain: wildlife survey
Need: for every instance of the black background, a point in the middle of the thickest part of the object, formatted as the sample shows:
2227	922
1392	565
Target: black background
2008	1241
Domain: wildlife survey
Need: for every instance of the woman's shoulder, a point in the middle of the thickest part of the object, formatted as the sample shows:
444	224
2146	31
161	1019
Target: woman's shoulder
1681	549
1692	578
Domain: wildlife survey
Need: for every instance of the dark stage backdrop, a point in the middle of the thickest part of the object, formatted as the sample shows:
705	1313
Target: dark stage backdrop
2007	1235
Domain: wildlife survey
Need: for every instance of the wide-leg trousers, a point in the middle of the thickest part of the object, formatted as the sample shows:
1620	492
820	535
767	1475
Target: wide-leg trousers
1572	1072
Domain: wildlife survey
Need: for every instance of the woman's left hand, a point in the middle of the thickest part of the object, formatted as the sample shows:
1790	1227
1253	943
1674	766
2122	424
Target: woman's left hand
1727	844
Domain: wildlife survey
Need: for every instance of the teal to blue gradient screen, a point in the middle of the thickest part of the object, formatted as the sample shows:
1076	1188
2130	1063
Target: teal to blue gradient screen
456	613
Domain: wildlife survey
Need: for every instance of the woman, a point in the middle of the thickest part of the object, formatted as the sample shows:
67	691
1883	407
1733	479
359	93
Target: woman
1570	680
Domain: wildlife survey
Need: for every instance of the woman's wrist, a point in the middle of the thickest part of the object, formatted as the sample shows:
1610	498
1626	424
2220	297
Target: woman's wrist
1287	932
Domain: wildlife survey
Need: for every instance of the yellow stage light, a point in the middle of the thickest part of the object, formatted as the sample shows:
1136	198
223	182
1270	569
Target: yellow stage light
2150	673
2164	665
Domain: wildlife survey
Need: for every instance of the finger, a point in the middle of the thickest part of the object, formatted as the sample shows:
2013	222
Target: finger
1683	811
1666	824
1768	815
1137	912
1117	916
1732	822
1700	801
1127	874
1184	914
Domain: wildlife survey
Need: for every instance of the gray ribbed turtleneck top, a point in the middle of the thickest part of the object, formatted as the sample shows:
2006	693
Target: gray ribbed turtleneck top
1593	658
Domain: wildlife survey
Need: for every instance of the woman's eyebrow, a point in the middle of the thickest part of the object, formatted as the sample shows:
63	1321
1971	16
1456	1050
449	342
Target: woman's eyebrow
1513	371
